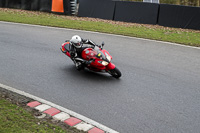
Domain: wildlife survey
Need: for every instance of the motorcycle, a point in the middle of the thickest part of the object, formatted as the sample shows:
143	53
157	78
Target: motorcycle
100	59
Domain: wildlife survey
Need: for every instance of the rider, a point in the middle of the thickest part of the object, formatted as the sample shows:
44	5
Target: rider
76	49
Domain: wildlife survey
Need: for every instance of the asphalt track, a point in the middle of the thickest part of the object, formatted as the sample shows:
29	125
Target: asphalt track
159	90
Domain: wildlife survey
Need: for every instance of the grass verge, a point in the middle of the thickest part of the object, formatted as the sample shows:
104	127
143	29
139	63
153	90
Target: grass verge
176	35
16	119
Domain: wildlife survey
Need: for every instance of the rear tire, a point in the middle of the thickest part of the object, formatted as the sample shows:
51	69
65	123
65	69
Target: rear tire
115	72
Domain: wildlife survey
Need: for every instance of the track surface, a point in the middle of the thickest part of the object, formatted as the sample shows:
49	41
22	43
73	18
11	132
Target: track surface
159	90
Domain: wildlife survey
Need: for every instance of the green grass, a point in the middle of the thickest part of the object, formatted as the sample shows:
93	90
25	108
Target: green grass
182	36
15	119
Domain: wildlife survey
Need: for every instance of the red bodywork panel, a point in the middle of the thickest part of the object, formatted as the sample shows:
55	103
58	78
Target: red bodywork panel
90	53
110	66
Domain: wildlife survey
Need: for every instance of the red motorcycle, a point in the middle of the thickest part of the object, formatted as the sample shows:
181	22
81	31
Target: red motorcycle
101	59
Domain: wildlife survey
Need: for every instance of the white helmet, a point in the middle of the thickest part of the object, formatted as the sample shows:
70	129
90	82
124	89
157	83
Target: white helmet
76	41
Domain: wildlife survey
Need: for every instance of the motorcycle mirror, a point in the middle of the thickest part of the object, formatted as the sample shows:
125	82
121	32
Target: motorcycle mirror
103	44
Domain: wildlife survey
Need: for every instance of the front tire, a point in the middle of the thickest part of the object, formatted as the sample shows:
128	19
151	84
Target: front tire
115	72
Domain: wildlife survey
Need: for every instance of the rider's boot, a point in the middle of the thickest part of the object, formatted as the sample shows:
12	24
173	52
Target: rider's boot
79	66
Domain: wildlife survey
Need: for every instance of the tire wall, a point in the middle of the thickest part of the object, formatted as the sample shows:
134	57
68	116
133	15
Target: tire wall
2	3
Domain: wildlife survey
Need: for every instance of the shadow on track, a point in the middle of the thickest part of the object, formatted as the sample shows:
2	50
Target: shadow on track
71	71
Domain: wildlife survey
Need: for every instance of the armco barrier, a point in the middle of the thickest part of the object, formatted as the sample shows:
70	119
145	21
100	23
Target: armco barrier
136	12
179	16
13	4
103	9
2	3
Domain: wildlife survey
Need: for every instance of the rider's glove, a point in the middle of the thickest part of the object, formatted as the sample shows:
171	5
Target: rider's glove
78	65
99	46
72	54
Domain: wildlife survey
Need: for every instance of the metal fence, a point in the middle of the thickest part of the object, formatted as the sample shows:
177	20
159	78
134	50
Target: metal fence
151	1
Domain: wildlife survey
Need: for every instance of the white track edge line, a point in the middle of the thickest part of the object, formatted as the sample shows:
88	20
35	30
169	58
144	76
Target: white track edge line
171	43
92	122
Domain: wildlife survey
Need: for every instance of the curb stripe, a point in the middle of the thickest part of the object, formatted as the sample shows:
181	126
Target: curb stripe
72	121
33	104
83	126
52	111
95	130
42	107
62	116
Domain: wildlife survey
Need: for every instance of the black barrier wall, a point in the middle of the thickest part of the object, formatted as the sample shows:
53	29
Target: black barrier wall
35	5
26	4
13	4
103	9
21	4
67	7
136	12
45	5
179	16
2	3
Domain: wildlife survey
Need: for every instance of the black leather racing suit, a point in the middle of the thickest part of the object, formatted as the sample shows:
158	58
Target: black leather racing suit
76	54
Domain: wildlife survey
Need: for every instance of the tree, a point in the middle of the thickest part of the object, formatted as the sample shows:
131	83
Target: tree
177	2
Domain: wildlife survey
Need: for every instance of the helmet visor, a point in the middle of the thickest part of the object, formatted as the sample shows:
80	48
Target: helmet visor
78	44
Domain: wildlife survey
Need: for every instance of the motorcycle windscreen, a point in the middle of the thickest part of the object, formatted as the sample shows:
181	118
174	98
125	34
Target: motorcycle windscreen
67	47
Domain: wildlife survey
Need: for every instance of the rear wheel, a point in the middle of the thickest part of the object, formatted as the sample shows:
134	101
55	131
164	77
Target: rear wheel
115	72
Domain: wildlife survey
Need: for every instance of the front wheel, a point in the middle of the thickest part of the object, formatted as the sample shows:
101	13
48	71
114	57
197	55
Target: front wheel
115	72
